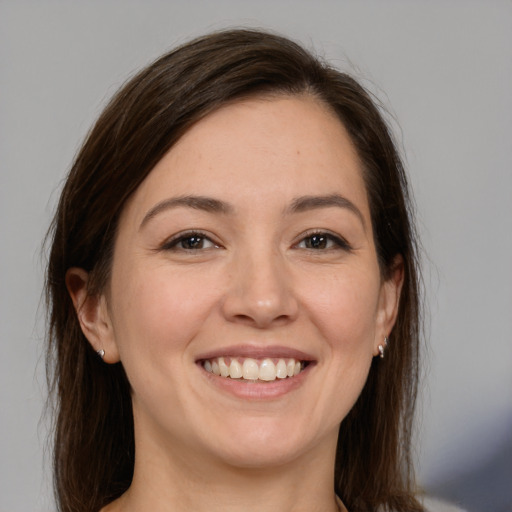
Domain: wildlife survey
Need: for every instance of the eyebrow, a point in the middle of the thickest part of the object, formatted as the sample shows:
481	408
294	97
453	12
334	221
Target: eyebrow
207	204
306	203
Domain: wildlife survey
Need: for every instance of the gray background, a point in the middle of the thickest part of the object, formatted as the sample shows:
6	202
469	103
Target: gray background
445	71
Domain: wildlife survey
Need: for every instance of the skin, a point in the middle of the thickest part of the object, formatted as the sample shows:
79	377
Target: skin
256	280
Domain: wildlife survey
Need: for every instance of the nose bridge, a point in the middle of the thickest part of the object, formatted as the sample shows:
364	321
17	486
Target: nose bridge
260	292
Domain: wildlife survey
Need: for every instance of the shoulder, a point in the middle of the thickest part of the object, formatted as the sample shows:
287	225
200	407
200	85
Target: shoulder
435	505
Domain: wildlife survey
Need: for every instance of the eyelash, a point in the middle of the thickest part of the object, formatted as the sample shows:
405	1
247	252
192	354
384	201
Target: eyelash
173	243
337	242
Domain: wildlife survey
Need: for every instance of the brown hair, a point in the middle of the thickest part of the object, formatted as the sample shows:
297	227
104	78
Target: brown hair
94	438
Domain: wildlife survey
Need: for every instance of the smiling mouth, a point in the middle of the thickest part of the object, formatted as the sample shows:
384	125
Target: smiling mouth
254	370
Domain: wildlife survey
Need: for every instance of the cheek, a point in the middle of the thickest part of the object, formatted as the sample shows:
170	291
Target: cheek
158	311
342	309
345	309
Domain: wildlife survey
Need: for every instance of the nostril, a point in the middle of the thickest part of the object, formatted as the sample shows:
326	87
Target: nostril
243	318
260	321
260	300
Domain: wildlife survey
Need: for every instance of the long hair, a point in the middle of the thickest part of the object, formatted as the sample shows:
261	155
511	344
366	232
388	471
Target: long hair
94	437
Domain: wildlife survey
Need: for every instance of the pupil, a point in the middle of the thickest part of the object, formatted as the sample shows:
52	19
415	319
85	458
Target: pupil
317	242
193	242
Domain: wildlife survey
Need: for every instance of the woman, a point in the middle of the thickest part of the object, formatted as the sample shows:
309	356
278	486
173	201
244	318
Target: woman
233	292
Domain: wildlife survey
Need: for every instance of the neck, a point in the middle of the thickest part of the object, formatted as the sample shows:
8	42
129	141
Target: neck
169	481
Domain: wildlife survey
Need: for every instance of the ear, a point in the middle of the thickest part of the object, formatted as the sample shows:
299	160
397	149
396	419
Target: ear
93	314
389	301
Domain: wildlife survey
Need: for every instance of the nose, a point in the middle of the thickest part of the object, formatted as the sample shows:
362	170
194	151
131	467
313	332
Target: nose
260	292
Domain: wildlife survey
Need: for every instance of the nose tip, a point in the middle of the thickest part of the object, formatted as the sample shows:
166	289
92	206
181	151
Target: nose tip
260	296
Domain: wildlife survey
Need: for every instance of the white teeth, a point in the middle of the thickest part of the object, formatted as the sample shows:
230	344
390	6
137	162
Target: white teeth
215	368
254	369
281	369
224	368
290	367
250	369
235	369
267	370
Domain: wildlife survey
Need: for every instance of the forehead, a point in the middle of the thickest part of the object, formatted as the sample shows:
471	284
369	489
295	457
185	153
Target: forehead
258	150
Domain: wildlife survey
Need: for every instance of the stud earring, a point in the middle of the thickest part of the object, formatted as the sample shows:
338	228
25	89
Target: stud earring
382	348
101	353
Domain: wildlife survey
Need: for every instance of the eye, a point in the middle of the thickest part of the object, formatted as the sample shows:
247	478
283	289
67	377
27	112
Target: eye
191	241
322	241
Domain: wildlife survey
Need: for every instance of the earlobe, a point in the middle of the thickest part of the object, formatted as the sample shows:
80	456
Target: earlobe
389	302
93	315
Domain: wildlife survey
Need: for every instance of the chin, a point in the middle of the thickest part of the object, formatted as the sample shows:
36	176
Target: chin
262	443
259	456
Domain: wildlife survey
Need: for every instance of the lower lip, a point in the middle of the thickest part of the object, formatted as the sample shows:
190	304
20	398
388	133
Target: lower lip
257	390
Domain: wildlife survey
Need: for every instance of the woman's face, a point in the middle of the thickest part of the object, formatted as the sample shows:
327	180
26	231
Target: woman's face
248	250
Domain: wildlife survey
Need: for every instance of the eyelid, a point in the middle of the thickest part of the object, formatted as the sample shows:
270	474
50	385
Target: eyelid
171	242
341	242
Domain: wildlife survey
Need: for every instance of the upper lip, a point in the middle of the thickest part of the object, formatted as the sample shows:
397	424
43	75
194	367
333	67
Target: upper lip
256	352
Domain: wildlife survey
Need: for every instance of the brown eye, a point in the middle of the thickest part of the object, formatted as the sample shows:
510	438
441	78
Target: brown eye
316	242
322	241
192	242
189	242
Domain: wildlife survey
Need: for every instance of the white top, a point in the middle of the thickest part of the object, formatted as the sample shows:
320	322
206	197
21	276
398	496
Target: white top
435	505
